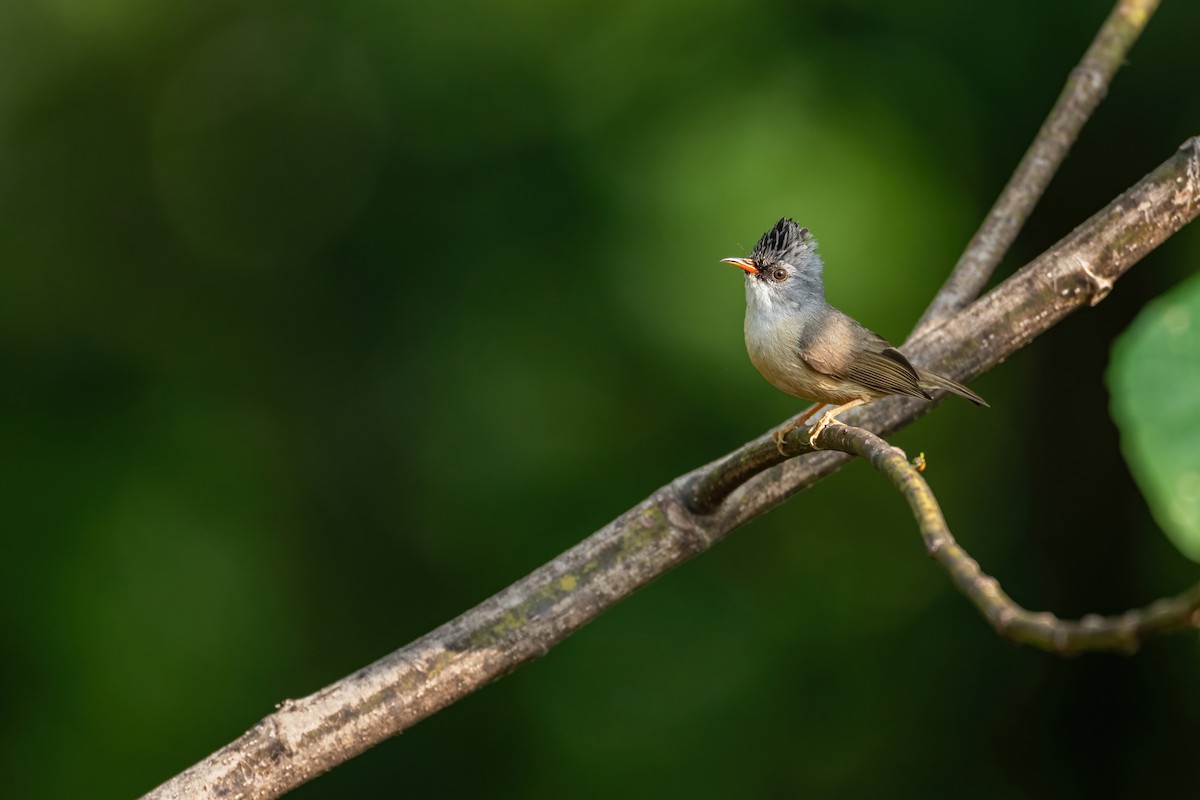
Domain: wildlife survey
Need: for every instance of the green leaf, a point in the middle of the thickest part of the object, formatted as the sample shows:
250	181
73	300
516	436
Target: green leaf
1154	379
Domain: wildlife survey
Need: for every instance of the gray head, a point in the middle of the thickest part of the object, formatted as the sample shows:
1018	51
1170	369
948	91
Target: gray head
783	269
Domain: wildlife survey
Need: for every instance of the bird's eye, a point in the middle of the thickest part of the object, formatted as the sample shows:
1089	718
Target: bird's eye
779	273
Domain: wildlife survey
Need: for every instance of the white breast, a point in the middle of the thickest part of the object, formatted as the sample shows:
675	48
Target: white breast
772	341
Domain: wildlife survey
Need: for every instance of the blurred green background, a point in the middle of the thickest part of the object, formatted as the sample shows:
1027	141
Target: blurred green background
322	322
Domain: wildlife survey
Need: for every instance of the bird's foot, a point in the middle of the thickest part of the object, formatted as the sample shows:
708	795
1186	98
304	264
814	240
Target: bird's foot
824	422
829	418
782	433
798	422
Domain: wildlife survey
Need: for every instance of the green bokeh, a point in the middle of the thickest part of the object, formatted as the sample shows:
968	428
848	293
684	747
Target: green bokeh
321	322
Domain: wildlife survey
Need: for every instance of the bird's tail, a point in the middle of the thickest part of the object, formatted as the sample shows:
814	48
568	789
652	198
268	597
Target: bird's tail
935	381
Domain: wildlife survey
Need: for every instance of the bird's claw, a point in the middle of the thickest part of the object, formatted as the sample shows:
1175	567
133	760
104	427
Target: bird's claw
780	435
798	422
826	420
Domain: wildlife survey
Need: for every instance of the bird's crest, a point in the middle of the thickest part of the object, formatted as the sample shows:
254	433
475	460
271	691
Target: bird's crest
779	243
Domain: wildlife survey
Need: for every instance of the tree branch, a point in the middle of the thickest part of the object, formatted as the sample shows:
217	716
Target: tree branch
1086	87
306	737
1122	634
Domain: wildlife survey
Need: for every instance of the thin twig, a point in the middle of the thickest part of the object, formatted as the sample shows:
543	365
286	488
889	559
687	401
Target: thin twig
1123	633
306	737
1086	87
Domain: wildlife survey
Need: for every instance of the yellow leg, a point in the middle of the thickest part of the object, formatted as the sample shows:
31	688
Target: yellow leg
791	426
827	419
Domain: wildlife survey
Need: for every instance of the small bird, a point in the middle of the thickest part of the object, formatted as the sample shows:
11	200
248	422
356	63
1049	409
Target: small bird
807	348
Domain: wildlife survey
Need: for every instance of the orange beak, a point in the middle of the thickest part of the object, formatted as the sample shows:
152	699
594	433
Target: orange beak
742	263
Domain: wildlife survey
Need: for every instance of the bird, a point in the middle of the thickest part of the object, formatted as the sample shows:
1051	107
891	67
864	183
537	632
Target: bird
811	350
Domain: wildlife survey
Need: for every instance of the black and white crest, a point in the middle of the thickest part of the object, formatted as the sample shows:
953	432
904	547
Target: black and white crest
781	243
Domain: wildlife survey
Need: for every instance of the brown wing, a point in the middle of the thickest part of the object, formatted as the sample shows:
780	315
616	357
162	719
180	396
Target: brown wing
842	348
886	371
